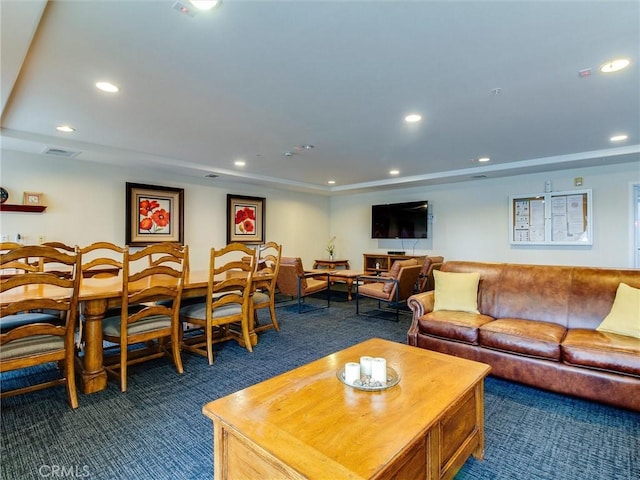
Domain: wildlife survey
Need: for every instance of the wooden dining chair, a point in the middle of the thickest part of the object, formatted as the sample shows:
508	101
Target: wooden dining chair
35	341
268	266
155	323
228	302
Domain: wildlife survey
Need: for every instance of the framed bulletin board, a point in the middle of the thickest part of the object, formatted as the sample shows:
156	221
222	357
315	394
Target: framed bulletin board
554	218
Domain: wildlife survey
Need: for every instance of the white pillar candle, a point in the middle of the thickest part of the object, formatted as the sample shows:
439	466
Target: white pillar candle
365	365
379	370
351	372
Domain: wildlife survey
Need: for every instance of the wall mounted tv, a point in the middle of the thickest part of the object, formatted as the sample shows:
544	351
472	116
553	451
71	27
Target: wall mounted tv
399	220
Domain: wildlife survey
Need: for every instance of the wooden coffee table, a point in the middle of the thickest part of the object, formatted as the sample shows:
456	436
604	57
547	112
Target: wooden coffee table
346	276
306	424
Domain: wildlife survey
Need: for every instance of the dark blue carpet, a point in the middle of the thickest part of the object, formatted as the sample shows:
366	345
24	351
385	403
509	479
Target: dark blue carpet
156	429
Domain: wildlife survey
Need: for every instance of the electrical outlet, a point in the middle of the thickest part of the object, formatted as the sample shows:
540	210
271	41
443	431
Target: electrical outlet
41	239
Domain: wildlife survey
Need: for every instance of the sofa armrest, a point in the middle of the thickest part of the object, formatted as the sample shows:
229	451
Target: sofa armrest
421	303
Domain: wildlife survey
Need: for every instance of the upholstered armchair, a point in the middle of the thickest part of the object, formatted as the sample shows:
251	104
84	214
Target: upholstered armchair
393	288
426	282
295	282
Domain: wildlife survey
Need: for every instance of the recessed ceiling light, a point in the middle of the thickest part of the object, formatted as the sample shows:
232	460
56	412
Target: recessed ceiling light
65	128
239	163
331	182
394	172
107	87
615	65
618	138
484	159
412	118
205	4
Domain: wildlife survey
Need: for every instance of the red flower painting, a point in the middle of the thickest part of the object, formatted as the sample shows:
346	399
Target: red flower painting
245	220
154	216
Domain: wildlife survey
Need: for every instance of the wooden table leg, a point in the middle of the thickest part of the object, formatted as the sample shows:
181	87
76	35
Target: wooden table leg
93	377
349	288
478	452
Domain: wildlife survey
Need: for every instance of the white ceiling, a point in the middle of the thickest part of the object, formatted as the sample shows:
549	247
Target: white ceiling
254	79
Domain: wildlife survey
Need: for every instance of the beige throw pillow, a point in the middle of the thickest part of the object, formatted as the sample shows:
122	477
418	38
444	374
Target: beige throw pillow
456	291
624	317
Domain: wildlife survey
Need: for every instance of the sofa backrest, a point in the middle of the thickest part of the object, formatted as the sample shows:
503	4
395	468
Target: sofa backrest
593	291
574	297
489	282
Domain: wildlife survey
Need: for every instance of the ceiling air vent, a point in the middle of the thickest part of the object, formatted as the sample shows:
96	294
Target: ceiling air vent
59	152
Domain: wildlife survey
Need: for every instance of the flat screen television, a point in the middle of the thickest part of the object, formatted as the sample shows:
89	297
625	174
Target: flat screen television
399	220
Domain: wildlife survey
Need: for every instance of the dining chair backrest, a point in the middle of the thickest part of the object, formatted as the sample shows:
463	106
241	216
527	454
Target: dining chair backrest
165	254
17	266
30	344
51	265
59	246
101	260
228	268
137	277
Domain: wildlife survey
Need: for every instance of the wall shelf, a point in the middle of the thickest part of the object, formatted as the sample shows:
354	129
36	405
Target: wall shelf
7	207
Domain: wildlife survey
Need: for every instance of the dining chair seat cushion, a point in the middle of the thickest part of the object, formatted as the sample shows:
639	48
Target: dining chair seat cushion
12	321
111	325
261	297
30	346
199	311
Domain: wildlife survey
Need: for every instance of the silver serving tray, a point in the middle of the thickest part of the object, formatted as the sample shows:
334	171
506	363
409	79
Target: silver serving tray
393	378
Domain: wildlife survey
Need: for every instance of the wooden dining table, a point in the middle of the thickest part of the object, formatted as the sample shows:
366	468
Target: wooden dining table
96	296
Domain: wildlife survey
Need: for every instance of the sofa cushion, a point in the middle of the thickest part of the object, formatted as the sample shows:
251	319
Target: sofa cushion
456	291
602	351
624	317
458	326
525	337
394	271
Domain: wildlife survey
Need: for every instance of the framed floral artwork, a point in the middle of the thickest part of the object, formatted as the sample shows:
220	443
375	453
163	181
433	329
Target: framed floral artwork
154	214
245	219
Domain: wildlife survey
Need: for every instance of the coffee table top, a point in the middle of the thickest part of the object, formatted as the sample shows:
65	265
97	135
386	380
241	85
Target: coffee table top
326	429
346	273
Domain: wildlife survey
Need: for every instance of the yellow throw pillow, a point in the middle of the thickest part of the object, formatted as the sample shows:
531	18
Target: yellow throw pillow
456	291
624	317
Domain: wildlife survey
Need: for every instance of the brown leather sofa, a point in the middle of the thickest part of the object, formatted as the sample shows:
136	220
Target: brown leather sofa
537	325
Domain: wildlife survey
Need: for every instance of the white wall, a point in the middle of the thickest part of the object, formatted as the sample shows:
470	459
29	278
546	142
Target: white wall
472	219
86	203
